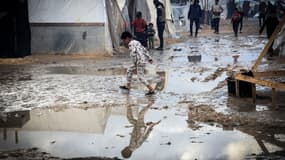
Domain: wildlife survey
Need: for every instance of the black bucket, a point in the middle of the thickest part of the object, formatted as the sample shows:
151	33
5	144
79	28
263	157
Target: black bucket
231	86
245	88
195	58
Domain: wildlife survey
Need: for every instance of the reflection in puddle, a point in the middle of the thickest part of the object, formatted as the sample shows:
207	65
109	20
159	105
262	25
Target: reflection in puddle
14	119
195	58
104	132
141	130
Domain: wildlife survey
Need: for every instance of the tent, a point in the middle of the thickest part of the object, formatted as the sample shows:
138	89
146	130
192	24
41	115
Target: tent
130	7
75	26
279	42
14	29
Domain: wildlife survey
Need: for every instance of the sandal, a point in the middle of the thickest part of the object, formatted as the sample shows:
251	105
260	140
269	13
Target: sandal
149	93
124	87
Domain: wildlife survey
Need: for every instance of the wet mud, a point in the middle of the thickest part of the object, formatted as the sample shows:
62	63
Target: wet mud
72	107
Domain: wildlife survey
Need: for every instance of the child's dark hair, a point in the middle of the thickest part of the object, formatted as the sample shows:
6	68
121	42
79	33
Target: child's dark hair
139	14
126	34
150	24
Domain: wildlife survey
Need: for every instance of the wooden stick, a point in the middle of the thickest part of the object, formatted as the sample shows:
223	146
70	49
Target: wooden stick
277	85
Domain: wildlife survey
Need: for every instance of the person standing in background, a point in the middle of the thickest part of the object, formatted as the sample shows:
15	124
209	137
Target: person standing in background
140	29
194	15
160	21
240	11
262	12
217	9
150	35
235	21
270	23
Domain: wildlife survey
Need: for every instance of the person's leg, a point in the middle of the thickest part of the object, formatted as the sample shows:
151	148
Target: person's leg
263	19
260	18
140	74
270	50
161	27
160	32
152	42
235	28
215	24
131	70
241	24
233	24
218	25
141	37
197	24
191	26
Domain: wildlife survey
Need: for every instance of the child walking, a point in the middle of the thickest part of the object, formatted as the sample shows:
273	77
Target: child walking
150	35
235	21
139	56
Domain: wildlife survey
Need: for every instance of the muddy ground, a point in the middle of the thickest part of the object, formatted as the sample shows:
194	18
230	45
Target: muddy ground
70	106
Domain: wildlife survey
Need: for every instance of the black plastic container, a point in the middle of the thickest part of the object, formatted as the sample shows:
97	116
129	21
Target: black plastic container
245	88
231	86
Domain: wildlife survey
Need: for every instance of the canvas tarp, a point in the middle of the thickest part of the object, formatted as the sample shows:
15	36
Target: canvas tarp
75	26
279	42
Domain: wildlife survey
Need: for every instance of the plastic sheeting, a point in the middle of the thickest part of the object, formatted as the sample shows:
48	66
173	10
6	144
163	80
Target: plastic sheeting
180	14
75	26
279	42
116	23
66	11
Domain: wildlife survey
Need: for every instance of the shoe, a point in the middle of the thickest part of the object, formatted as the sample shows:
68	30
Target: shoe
149	93
124	87
159	48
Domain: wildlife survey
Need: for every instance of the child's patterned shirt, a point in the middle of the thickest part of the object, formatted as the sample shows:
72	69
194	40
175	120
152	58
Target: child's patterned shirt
138	53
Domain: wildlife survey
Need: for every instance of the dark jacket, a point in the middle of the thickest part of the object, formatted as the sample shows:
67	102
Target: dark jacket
270	23
160	10
194	11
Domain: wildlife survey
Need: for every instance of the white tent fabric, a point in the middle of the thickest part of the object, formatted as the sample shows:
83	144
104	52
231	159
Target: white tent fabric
62	11
279	42
75	26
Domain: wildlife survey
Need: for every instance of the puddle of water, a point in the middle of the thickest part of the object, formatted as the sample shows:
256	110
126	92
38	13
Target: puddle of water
244	58
84	70
107	131
180	82
14	74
